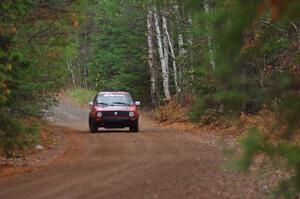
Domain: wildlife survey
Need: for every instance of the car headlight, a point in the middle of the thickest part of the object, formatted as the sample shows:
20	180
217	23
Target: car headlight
99	114
131	114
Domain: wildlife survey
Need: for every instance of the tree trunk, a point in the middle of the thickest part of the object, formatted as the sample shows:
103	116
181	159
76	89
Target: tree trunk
173	56
165	43
151	58
182	51
161	57
69	65
85	69
191	44
209	38
180	44
190	39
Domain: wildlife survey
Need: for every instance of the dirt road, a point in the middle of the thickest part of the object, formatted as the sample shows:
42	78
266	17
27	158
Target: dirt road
155	163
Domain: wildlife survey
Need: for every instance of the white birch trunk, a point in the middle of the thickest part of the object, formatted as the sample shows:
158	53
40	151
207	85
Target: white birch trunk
161	57
72	73
191	44
85	69
190	40
180	44
181	57
209	38
182	51
173	58
151	57
165	43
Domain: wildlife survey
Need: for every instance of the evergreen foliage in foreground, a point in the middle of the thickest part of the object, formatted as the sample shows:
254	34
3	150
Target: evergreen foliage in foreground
256	50
35	43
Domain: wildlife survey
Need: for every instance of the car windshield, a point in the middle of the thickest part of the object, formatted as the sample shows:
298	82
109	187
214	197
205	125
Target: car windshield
114	100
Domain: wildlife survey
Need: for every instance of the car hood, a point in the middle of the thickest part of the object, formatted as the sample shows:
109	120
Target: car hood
115	108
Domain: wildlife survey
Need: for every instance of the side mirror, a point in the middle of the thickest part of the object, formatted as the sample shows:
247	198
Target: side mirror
91	103
137	103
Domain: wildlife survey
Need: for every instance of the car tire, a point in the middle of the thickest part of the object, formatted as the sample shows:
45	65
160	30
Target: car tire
93	125
134	127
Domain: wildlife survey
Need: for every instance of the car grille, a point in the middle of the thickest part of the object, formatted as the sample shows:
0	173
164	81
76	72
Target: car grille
113	113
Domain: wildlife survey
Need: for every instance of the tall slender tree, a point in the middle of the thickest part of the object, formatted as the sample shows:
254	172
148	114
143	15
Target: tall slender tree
152	70
206	5
164	66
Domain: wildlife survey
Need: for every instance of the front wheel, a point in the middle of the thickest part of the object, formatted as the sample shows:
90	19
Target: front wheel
134	127
93	125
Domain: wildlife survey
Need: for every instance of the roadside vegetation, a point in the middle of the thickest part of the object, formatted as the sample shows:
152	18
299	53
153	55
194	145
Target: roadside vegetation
233	64
81	96
37	39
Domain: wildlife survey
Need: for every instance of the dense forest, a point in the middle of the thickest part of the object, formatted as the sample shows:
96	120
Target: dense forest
216	57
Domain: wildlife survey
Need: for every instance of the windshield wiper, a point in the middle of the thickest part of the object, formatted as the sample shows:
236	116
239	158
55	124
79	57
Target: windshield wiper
102	103
120	103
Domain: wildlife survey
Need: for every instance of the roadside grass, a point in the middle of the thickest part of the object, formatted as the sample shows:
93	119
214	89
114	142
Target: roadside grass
81	96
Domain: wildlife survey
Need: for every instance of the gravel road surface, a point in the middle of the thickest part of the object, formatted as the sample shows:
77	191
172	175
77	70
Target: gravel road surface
155	163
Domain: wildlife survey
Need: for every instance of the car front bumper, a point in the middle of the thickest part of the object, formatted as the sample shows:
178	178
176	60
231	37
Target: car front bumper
115	122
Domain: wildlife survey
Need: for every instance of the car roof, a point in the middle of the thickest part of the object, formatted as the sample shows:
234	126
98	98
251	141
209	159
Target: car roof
113	92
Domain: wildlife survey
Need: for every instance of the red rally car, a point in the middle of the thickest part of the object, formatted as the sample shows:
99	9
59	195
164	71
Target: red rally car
114	110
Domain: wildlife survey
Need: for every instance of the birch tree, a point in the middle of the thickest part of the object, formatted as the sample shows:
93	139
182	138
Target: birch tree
209	38
151	57
72	73
190	37
182	51
85	59
170	44
165	42
164	66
